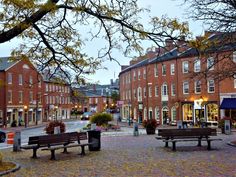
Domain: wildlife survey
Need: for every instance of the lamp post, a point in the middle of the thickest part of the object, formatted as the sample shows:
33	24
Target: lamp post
25	117
56	107
107	92
76	111
129	122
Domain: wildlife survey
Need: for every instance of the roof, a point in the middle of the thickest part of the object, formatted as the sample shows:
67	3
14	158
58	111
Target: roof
5	63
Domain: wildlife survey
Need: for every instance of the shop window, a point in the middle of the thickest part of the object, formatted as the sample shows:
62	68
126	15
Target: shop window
173	114
187	112
212	112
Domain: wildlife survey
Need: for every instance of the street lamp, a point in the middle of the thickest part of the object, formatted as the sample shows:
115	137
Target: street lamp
129	121
25	110
107	91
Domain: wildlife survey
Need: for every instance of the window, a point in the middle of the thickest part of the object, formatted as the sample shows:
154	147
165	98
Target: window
129	94
96	100
9	96
31	80
234	83
163	70
210	63
157	113
20	79
39	97
144	92
173	90
211	86
234	56
40	83
156	91
139	75
197	86
155	71
164	90
46	87
144	73
135	94
185	67
197	65
139	94
186	88
145	113
172	69
9	78
150	91
134	75
31	97
173	114
150	113
20	96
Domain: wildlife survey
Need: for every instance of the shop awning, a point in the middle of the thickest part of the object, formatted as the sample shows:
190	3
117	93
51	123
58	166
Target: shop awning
228	103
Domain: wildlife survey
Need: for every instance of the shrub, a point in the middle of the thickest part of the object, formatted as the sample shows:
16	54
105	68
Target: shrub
150	123
50	126
101	119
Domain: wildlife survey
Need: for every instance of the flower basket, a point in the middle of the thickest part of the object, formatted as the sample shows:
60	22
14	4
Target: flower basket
150	125
52	124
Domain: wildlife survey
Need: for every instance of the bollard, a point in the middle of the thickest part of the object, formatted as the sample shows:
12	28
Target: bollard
17	141
136	133
10	138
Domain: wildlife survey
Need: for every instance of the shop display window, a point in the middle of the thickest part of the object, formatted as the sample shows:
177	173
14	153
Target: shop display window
212	112
187	112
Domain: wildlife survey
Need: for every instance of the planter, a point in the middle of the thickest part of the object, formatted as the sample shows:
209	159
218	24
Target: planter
150	131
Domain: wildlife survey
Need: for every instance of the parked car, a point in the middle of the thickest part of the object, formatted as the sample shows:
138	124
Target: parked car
2	136
86	115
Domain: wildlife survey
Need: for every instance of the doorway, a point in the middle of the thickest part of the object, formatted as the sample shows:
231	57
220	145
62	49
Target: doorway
199	113
165	116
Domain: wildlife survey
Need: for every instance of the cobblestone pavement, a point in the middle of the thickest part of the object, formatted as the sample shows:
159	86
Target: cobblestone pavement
128	155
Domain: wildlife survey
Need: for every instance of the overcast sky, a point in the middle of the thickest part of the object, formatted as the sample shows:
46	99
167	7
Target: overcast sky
171	8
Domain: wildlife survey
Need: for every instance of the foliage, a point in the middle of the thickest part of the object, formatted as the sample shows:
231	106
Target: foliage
52	32
221	122
115	97
101	118
150	123
50	126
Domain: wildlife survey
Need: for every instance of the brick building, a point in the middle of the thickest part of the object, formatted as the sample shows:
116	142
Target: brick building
168	88
21	86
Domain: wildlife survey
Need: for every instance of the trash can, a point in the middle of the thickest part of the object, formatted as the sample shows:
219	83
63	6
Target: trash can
94	137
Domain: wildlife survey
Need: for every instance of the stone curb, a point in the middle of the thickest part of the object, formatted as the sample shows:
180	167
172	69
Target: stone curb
12	170
231	144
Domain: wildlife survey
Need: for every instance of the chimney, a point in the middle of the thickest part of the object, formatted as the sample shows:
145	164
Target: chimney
169	44
182	45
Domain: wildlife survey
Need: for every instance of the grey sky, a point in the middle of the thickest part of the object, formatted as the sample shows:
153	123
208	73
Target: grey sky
171	8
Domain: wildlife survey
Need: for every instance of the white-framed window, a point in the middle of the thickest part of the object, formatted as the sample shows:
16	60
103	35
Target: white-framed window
150	113
197	65
173	89
156	70
139	94
157	113
164	89
234	83
9	96
234	56
173	114
163	69
134	75
144	73
20	79
185	66
172	69
210	63
20	97
197	86
145	113
135	96
139	75
31	80
9	78
211	86
185	87
150	91
156	91
144	92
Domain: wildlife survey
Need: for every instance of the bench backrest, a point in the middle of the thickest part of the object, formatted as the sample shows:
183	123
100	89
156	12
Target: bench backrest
189	132
62	138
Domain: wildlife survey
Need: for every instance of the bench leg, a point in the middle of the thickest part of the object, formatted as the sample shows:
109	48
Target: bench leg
166	145
34	154
82	151
199	142
53	155
173	146
65	151
208	145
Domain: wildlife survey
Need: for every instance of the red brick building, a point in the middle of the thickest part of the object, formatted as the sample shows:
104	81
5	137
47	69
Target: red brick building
20	93
166	87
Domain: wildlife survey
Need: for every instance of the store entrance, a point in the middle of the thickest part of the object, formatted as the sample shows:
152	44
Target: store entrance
199	113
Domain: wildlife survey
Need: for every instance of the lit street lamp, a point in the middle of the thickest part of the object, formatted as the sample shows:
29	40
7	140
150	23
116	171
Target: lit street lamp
56	107
26	120
76	111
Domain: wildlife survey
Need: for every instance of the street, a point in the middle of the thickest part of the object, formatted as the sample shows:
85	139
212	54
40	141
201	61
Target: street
26	133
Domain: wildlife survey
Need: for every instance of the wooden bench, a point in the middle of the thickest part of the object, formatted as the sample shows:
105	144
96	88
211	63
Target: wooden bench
184	135
57	141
